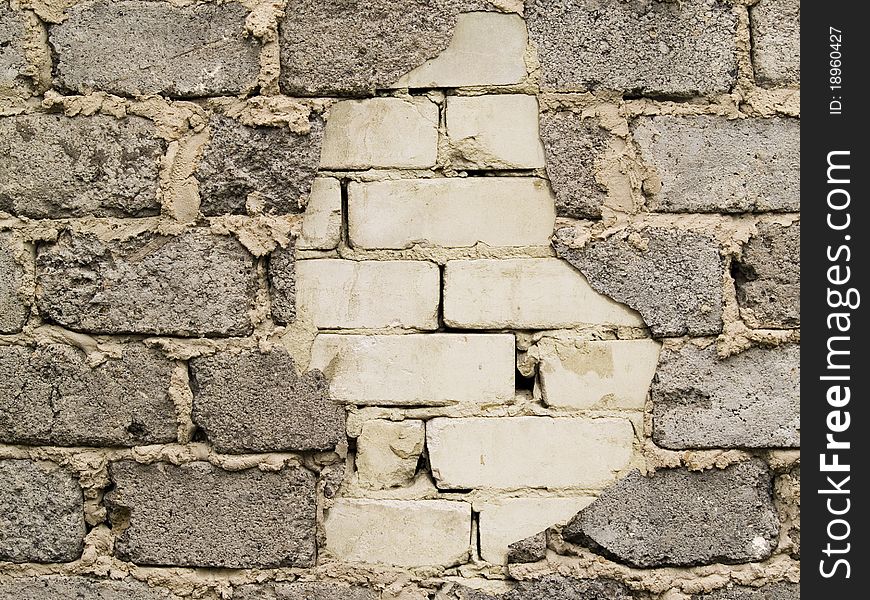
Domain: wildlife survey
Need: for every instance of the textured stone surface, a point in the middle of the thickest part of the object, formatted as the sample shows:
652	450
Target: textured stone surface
199	515
192	284
52	166
712	164
751	399
253	402
303	590
62	587
678	517
321	223
787	491
772	591
553	587
282	284
776	49
768	277
53	396
530	549
191	51
672	278
668	48
41	515
274	164
16	74
387	452
14	308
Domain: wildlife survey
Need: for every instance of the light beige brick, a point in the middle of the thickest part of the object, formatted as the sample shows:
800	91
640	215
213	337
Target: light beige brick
499	132
517	452
321	223
407	533
338	294
387	452
381	132
417	369
497	211
525	294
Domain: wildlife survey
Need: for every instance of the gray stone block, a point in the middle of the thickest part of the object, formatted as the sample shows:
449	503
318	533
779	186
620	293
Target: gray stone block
62	587
772	591
712	164
554	587
192	284
776	48
16	74
14	306
272	162
134	47
41	514
639	47
530	549
197	515
677	517
308	590
282	285
748	400
673	278
53	396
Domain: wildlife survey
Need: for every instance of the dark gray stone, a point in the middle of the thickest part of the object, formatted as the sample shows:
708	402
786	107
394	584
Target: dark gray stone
61	587
254	402
768	277
776	48
273	162
748	400
640	47
673	278
530	549
712	164
677	517
134	47
282	285
52	396
192	284
41	514
197	515
14	306
309	590
554	587
16	74
771	591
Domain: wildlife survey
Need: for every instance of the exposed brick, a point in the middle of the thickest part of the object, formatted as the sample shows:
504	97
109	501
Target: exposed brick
193	284
41	515
14	306
771	591
254	402
54	396
274	164
197	515
190	51
62	587
751	399
303	590
680	518
637	46
321	223
713	164
776	50
282	284
53	166
17	75
388	451
521	452
553	587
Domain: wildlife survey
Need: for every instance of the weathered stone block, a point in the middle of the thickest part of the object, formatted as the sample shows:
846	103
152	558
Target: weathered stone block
530	549
677	517
321	223
14	304
303	590
387	452
52	166
62	587
282	284
776	48
196	515
554	587
771	591
17	74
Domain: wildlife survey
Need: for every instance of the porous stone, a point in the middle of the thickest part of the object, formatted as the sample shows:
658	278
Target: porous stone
179	51
768	278
53	396
553	587
255	402
14	305
530	549
192	284
53	166
787	492
776	50
388	451
748	400
62	587
677	517
672	278
41	515
712	164
303	590
257	169
197	515
321	223
16	73
772	591
640	47
282	284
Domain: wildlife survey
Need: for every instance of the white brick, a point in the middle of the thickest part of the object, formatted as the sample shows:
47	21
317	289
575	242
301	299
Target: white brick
497	211
381	132
525	294
503	522
417	369
406	533
517	452
487	48
338	294
599	374
387	452
499	131
321	223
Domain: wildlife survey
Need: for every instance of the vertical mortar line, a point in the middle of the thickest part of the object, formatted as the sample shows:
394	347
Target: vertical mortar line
344	182
475	536
441	326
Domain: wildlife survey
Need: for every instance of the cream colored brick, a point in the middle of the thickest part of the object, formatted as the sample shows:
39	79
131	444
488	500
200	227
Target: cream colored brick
387	452
338	294
381	132
487	48
499	131
517	452
321	223
537	293
600	374
503	522
417	369
497	211
406	533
